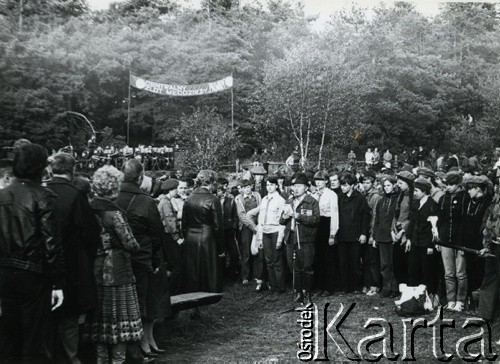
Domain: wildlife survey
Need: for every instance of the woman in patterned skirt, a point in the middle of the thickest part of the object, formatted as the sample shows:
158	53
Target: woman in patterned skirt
116	319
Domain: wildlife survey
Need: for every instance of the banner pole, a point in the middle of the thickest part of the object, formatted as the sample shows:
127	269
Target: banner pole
128	108
232	104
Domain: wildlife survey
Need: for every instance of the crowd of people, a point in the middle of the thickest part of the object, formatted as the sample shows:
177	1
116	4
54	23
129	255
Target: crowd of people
97	258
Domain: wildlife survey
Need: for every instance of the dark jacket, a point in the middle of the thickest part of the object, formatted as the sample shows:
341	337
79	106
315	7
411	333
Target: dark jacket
307	220
419	229
473	222
384	217
451	211
80	235
229	213
204	241
145	221
354	217
29	230
113	265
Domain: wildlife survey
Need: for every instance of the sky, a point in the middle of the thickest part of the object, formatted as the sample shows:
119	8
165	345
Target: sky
324	8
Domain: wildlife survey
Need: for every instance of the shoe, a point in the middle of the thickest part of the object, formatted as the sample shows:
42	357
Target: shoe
245	282
371	292
435	300
157	351
450	306
459	307
299	298
148	354
365	290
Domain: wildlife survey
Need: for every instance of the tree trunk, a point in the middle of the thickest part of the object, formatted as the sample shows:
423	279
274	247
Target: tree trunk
21	9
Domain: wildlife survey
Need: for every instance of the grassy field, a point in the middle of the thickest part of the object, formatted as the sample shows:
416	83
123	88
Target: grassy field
247	326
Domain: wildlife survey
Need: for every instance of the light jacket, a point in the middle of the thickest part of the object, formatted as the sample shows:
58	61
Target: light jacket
329	207
242	214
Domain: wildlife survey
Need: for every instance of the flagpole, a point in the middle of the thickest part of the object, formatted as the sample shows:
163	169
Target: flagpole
128	108
232	104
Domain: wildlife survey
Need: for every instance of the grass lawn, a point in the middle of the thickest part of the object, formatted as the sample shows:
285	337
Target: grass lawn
247	326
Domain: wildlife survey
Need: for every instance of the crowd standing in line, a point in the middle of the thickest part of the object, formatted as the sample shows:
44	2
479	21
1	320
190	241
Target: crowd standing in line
98	257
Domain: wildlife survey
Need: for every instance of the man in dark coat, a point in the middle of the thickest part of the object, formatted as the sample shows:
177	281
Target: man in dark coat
301	217
145	221
354	227
203	229
230	219
80	234
31	259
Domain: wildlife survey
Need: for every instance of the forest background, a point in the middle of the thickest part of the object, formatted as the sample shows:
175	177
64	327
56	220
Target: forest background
388	78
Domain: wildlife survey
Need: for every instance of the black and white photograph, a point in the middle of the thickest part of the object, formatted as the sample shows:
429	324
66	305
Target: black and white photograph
213	181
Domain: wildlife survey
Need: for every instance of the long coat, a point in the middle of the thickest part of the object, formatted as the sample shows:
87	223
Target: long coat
145	221
203	229
80	235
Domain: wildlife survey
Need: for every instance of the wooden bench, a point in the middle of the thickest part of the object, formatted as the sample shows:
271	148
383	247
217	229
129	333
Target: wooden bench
188	301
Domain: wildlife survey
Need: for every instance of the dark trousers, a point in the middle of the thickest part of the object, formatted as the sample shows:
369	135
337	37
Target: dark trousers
349	261
423	268
490	289
324	260
400	263
67	338
173	255
371	266
386	250
25	303
274	262
250	263
232	252
302	268
475	271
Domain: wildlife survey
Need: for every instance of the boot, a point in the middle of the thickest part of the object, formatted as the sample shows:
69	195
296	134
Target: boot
308	298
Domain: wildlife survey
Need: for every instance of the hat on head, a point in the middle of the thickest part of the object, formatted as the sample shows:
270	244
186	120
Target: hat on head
453	178
169	185
441	175
478	180
407	167
423	185
300	178
424	171
258	169
406	176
